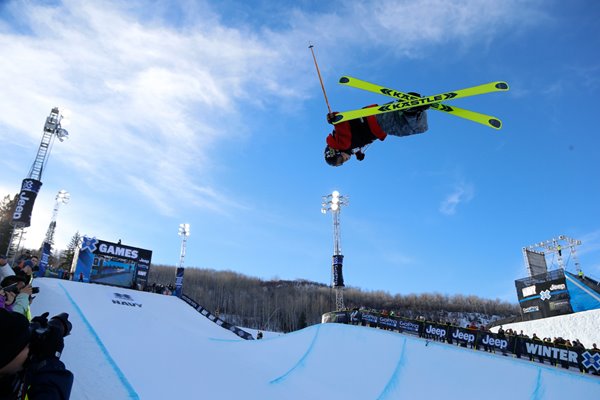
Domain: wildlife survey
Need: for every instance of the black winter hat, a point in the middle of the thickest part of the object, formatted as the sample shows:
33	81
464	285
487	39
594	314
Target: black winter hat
14	335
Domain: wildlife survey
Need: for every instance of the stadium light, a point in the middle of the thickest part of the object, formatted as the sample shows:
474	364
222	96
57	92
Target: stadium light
63	197
333	202
184	230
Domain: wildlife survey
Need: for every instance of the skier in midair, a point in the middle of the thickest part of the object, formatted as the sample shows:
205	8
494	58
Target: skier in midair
349	137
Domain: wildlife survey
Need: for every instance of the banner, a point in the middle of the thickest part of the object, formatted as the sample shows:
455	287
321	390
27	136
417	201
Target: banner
22	214
179	281
338	277
44	258
114	264
543	296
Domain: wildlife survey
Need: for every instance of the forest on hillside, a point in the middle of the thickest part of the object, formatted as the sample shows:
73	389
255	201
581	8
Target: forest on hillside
285	306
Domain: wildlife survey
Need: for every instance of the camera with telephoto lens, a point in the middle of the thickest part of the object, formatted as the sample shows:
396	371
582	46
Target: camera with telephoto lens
47	335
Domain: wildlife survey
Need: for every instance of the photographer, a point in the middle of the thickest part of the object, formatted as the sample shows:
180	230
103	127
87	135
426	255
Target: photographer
23	292
29	357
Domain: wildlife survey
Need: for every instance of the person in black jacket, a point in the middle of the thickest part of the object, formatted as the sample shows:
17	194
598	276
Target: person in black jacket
29	357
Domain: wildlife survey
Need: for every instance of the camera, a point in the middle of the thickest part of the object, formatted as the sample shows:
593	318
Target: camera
14	288
47	335
35	290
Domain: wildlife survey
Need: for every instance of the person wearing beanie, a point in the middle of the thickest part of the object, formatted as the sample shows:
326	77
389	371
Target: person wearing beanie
26	271
14	341
27	375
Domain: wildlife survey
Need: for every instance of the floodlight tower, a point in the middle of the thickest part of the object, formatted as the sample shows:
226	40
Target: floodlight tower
62	197
184	232
333	202
53	128
556	245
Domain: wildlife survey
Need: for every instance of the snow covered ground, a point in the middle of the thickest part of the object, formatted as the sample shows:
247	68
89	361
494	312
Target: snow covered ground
582	325
135	345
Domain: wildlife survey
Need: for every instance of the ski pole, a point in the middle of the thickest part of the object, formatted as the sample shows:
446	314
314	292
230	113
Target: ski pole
320	79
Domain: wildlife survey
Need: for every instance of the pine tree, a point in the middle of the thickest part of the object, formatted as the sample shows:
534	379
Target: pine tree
7	205
67	256
302	320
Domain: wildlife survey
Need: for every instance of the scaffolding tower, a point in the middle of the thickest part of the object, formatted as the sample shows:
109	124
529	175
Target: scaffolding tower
334	203
52	129
556	246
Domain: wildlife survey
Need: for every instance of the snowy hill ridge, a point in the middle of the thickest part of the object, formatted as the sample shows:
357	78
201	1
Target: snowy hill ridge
135	345
582	326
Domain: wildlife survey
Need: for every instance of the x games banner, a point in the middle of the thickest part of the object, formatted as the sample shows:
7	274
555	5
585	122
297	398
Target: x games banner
114	264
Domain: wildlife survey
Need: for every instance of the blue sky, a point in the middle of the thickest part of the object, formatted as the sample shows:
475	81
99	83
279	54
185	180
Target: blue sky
211	113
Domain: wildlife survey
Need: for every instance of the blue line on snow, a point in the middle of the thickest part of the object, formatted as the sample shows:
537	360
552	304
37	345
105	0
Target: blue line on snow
538	393
393	381
111	362
301	361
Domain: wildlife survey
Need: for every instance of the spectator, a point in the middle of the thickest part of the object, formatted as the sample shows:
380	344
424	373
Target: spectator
22	258
594	350
26	271
536	338
500	332
7	298
5	269
21	303
35	265
486	347
31	369
523	335
259	335
579	348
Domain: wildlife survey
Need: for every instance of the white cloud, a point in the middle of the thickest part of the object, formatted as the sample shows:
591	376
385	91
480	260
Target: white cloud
154	100
462	193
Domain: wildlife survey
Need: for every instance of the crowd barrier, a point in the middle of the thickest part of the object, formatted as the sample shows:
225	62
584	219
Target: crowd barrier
585	360
225	325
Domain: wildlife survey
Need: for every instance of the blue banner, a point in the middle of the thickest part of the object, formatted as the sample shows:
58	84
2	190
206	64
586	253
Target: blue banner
45	258
179	281
22	213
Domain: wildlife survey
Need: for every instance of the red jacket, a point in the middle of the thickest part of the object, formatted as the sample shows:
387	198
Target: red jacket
355	133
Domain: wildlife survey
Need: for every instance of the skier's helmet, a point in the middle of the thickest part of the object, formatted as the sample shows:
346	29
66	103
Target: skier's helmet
333	157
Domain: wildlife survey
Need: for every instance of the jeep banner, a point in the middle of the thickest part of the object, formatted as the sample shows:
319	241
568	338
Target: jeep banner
22	214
